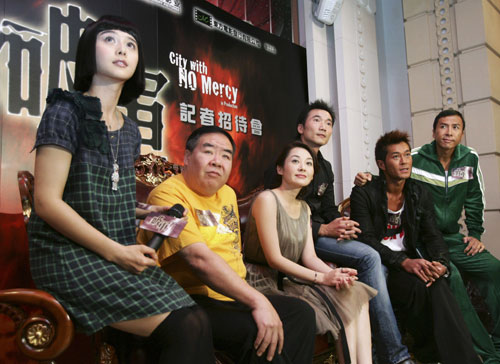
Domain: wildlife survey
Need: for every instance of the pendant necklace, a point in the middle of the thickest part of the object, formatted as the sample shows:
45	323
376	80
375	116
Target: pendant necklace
115	176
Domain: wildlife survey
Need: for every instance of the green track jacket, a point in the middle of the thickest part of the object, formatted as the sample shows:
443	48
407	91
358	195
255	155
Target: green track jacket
463	187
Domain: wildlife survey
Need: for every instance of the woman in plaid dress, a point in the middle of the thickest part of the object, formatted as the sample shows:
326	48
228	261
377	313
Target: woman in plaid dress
82	233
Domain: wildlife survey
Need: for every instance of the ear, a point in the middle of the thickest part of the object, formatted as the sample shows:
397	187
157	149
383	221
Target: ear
300	129
187	154
279	170
381	164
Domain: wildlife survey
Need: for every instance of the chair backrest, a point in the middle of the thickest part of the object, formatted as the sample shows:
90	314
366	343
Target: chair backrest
244	205
150	171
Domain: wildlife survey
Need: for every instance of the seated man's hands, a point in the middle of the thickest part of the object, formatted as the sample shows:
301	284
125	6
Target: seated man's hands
361	178
438	269
474	246
270	329
423	269
341	228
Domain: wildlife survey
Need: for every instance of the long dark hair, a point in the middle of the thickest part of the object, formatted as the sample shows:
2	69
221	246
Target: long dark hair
85	67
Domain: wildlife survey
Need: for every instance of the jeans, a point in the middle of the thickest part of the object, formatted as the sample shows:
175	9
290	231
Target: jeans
366	260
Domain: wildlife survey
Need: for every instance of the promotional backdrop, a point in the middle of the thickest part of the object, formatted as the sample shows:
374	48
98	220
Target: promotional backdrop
204	67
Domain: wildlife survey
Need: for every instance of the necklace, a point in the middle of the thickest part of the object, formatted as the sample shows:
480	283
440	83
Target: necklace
115	176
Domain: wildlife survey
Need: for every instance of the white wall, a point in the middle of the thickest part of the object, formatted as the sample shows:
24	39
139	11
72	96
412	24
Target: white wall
343	70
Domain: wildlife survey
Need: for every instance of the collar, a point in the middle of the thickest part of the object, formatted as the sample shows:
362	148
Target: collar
429	151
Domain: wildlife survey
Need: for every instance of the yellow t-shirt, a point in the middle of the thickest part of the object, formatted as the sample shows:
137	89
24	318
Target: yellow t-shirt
212	220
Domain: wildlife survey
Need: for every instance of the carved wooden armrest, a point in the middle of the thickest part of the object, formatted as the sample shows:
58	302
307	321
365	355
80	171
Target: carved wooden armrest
40	336
344	207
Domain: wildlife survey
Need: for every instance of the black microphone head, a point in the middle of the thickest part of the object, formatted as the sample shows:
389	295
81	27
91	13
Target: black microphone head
176	211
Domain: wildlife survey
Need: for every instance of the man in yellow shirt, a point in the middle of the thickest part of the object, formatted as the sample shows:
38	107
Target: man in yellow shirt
206	261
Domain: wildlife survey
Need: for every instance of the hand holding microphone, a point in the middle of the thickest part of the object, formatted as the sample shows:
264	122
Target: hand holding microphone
164	226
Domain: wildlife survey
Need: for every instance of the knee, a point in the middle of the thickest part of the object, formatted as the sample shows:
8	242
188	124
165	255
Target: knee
298	313
371	259
370	264
308	318
196	322
417	298
307	310
325	244
297	306
493	270
489	271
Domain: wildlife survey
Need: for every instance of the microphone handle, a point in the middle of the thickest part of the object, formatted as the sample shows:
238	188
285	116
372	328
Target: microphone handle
156	241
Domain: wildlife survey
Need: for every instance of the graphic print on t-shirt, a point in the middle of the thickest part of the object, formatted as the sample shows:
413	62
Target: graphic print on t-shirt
394	236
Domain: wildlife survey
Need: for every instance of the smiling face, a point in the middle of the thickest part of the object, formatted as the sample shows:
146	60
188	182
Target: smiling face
207	167
448	132
298	169
398	162
116	56
317	129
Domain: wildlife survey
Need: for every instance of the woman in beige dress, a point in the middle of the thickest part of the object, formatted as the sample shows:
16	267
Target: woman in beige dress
278	242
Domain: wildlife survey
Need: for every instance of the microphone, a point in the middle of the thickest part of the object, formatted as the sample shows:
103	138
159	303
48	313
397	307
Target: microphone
157	240
176	211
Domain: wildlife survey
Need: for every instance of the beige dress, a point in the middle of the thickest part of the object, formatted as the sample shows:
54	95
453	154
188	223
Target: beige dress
292	234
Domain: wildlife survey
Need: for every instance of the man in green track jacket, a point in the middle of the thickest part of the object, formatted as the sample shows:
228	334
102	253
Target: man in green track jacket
451	172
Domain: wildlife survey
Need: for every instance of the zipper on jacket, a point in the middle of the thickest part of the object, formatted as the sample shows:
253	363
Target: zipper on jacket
446	184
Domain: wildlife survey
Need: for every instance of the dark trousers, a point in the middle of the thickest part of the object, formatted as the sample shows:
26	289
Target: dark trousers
433	317
234	329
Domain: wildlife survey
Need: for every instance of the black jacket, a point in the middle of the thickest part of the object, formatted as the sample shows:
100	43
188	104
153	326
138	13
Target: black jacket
319	195
369	209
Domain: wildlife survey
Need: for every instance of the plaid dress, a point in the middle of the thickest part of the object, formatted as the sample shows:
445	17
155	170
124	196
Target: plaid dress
95	292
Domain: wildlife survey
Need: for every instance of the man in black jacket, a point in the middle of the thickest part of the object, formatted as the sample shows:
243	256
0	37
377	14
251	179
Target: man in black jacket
396	217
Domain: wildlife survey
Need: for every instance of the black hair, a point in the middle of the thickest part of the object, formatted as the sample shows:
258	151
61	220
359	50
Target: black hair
280	162
445	113
390	138
318	104
192	140
85	67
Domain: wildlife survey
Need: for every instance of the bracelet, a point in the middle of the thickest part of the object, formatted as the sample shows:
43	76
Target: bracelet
315	277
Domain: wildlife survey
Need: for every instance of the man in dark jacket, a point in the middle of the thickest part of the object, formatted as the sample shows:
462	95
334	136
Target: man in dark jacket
396	217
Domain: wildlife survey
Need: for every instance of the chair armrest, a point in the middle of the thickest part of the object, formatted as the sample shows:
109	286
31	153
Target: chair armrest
39	335
344	207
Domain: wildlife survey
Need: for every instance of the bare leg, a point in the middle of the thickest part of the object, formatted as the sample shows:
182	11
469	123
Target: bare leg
364	347
352	339
143	326
358	335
